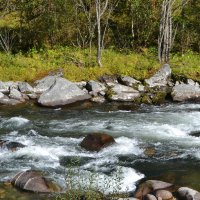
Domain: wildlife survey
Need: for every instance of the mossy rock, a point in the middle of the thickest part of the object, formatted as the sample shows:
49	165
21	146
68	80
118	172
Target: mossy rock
109	93
146	99
159	98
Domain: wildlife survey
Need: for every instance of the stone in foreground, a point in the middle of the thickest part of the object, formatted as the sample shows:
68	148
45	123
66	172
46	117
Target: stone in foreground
33	181
96	141
161	78
185	92
186	193
63	92
151	186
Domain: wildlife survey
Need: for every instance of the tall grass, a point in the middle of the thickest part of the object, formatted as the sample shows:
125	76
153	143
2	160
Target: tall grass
79	64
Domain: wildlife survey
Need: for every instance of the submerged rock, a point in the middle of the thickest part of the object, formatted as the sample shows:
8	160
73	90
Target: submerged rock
122	93
96	141
63	92
161	78
186	193
34	181
185	92
13	146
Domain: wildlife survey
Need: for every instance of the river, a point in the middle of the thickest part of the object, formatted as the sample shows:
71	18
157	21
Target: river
52	138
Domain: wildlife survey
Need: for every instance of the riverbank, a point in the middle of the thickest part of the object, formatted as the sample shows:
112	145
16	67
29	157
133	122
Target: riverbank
79	64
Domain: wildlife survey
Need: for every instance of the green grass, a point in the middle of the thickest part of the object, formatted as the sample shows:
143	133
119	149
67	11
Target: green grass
79	64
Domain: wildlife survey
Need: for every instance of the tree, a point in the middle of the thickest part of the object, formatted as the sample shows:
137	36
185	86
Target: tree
100	10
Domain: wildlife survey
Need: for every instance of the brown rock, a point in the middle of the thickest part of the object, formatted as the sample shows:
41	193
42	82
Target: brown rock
142	191
158	185
164	194
96	141
34	181
150	151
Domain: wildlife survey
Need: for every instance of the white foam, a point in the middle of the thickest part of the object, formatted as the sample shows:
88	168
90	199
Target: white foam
15	122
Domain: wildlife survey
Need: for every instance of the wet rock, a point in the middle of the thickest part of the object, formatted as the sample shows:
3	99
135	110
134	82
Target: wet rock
34	181
122	93
15	94
24	87
186	193
95	87
44	84
13	146
151	186
161	78
195	133
98	99
96	141
150	197
63	92
128	81
164	194
185	92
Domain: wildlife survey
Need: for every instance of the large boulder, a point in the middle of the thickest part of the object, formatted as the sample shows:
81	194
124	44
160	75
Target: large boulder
151	186
129	81
96	141
63	92
185	92
122	93
13	146
34	181
164	194
1	95
161	78
186	193
44	84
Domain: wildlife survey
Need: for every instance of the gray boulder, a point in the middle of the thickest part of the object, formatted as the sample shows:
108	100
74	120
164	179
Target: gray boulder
44	84
15	94
95	87
129	81
24	87
186	193
81	84
185	92
122	93
63	92
161	78
98	99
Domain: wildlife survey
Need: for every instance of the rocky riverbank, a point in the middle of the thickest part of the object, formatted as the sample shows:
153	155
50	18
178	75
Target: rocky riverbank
55	91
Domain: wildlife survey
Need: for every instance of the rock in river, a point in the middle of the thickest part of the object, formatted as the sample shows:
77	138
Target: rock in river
13	146
34	181
96	141
186	193
63	92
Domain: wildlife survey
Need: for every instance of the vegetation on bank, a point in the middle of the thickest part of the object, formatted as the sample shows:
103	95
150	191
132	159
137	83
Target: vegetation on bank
79	64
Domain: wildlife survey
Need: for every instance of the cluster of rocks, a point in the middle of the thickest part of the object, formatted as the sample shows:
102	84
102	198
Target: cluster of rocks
53	90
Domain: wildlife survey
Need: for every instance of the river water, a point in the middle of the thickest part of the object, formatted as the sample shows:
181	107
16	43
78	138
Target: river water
152	142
